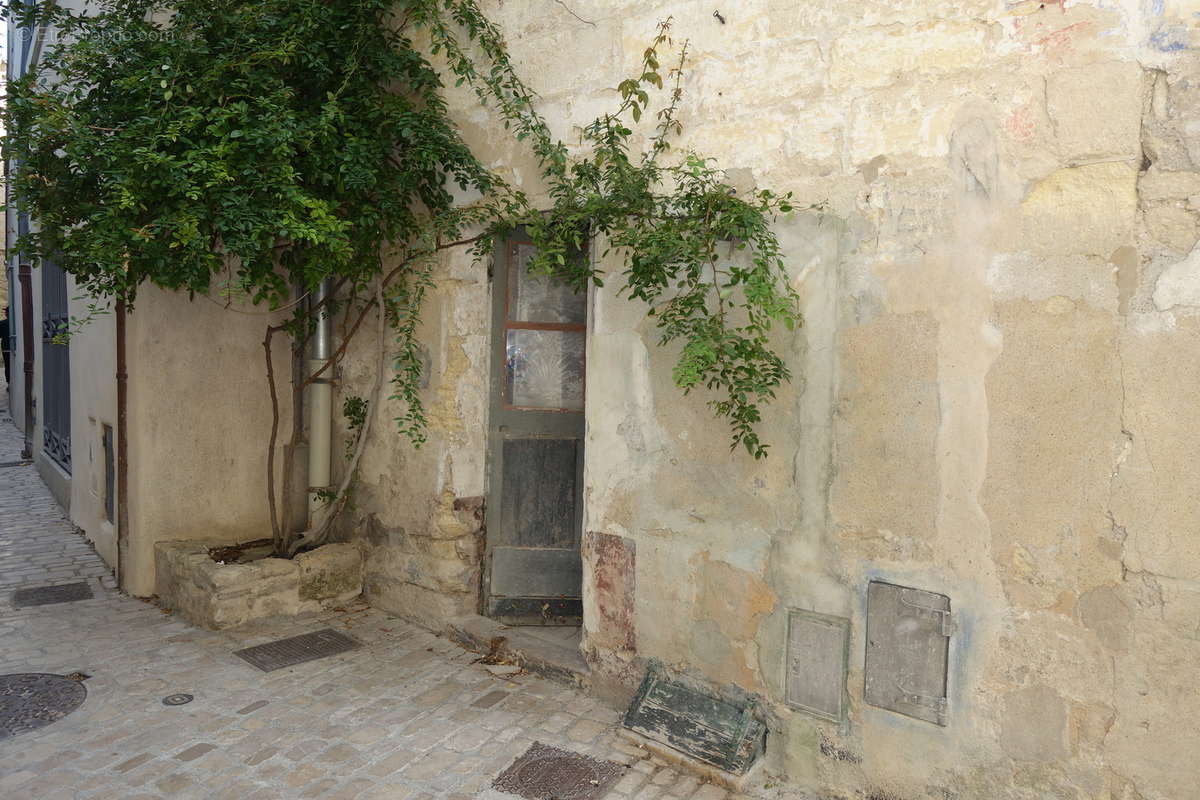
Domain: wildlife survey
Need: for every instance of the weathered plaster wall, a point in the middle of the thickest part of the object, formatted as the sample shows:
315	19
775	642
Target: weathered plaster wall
994	395
419	512
199	424
93	405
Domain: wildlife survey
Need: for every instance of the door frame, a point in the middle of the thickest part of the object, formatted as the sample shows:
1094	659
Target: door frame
504	421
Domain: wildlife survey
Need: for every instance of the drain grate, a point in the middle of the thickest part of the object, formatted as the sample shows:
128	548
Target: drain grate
32	700
49	595
297	649
547	773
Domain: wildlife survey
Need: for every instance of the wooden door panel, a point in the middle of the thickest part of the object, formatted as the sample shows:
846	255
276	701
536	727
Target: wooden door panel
534	511
537	495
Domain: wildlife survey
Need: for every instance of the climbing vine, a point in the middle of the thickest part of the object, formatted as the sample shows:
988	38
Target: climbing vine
261	147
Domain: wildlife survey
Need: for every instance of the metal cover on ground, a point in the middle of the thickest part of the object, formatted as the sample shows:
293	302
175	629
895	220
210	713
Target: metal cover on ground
48	595
545	772
297	649
816	663
32	700
689	719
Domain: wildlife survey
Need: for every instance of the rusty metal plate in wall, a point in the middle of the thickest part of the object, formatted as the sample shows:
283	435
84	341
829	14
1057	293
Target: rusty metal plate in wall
297	649
49	595
908	645
548	773
817	650
32	700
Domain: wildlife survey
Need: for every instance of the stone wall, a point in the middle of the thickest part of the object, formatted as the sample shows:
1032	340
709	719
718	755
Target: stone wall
217	595
419	511
994	396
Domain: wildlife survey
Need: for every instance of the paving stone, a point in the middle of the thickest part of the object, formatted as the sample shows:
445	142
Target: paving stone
133	763
195	751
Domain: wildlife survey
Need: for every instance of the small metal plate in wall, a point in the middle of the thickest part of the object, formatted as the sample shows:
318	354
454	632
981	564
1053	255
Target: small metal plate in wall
908	644
545	772
297	649
49	595
817	649
32	700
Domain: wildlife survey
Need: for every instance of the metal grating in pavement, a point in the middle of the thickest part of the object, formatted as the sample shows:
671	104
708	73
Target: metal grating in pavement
32	700
49	595
297	649
548	773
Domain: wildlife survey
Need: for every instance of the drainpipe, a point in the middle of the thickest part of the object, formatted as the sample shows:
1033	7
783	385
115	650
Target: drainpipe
320	407
25	280
122	449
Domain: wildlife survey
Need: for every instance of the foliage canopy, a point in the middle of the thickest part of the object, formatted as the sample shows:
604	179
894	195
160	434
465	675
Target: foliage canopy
264	145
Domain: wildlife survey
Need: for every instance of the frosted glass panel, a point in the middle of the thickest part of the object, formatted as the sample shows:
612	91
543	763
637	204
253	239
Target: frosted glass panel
545	369
540	298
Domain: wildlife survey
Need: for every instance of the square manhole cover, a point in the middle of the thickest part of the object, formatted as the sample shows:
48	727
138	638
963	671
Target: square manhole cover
48	595
547	773
297	649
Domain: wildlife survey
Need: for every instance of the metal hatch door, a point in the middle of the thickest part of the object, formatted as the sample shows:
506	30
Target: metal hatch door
535	505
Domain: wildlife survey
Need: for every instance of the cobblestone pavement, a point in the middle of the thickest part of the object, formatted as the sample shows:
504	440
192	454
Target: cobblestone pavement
408	715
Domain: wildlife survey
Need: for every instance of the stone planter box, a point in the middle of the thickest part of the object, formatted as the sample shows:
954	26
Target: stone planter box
216	596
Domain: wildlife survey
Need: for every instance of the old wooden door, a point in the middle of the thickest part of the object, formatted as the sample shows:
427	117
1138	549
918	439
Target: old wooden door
535	509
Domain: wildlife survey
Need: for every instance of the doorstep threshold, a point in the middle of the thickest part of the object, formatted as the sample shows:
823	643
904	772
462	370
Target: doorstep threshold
521	646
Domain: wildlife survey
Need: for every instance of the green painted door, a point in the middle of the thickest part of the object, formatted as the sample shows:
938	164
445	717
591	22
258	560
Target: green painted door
535	460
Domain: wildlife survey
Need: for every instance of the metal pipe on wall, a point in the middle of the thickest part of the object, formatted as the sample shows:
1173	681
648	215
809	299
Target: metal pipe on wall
25	280
320	406
122	450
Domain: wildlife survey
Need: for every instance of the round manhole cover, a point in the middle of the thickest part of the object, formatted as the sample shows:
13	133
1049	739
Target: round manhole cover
31	700
179	699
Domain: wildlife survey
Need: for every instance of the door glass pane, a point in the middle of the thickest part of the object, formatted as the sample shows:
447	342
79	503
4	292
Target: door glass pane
540	298
544	369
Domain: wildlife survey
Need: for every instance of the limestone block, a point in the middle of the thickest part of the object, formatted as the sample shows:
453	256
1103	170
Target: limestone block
903	121
434	574
1087	210
332	572
876	56
728	86
1179	284
1096	111
1171	225
430	608
1159	184
230	577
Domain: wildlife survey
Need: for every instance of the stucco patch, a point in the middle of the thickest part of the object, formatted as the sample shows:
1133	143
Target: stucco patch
610	562
886	485
1033	724
1104	611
